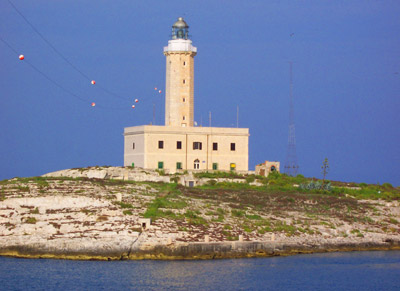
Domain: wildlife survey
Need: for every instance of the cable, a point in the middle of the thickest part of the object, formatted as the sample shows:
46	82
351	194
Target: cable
60	54
54	82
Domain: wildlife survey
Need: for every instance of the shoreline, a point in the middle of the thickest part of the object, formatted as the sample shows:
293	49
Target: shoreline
197	251
120	214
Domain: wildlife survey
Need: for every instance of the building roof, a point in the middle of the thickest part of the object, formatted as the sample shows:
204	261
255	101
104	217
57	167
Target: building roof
180	23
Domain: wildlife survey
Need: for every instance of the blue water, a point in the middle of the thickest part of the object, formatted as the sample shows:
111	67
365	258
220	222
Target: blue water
333	271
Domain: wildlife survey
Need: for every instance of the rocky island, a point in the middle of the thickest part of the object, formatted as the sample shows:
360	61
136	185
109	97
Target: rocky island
114	213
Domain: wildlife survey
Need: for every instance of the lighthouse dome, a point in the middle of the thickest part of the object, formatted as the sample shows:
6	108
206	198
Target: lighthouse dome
180	29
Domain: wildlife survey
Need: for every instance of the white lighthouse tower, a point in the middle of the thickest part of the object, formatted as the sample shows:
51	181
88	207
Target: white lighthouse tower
179	145
179	87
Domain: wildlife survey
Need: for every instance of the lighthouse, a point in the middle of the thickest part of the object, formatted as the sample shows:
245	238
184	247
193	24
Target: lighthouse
179	145
179	85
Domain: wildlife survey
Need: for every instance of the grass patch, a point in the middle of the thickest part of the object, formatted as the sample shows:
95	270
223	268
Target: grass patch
30	220
219	174
237	213
253	217
34	211
123	204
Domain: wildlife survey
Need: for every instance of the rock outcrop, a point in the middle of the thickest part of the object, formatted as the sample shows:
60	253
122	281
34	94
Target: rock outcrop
96	213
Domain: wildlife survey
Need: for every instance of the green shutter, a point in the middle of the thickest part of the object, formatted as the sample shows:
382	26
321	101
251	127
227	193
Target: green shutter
160	165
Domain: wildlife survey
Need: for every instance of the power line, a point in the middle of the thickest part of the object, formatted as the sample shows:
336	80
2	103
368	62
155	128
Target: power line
51	80
60	54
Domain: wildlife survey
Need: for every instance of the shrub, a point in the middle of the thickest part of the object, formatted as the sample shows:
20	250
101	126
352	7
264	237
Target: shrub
387	185
253	216
250	179
174	179
212	182
316	186
127	212
31	220
35	211
237	213
102	218
123	204
161	172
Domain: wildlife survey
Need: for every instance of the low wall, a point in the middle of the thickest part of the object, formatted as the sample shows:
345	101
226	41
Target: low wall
184	251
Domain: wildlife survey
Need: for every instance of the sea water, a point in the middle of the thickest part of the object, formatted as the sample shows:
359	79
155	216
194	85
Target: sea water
378	270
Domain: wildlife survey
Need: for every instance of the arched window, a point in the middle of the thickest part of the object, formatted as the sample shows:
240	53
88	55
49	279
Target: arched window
196	164
273	169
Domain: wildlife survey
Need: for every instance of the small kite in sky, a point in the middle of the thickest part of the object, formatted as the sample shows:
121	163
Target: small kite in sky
93	104
21	57
133	106
159	91
136	100
155	88
93	82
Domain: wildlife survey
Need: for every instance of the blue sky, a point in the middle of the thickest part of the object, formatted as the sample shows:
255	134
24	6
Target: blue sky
346	80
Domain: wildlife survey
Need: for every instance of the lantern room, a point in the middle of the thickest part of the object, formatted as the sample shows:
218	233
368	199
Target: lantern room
180	29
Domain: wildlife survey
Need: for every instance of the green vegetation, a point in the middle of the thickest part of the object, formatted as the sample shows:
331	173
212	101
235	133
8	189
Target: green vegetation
31	220
256	206
237	213
102	218
218	174
281	183
35	211
166	201
123	204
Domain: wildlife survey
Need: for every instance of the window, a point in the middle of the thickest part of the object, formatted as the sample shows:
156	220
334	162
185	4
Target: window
133	146
196	164
160	144
179	166
183	99
184	63
184	118
178	145
197	145
215	146
161	165
215	166
233	166
233	146
184	81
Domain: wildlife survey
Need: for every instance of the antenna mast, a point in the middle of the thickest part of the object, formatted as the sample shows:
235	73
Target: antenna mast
291	165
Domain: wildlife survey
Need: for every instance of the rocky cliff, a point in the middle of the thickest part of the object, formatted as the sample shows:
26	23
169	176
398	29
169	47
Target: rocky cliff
95	213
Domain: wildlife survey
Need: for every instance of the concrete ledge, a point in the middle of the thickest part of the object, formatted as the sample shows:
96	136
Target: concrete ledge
190	251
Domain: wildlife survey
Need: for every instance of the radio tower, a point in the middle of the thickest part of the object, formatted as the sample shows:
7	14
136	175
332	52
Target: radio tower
291	165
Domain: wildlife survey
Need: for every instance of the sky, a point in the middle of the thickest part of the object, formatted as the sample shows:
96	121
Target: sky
346	80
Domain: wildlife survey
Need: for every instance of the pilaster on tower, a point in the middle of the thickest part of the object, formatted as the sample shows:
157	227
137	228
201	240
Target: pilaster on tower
179	88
